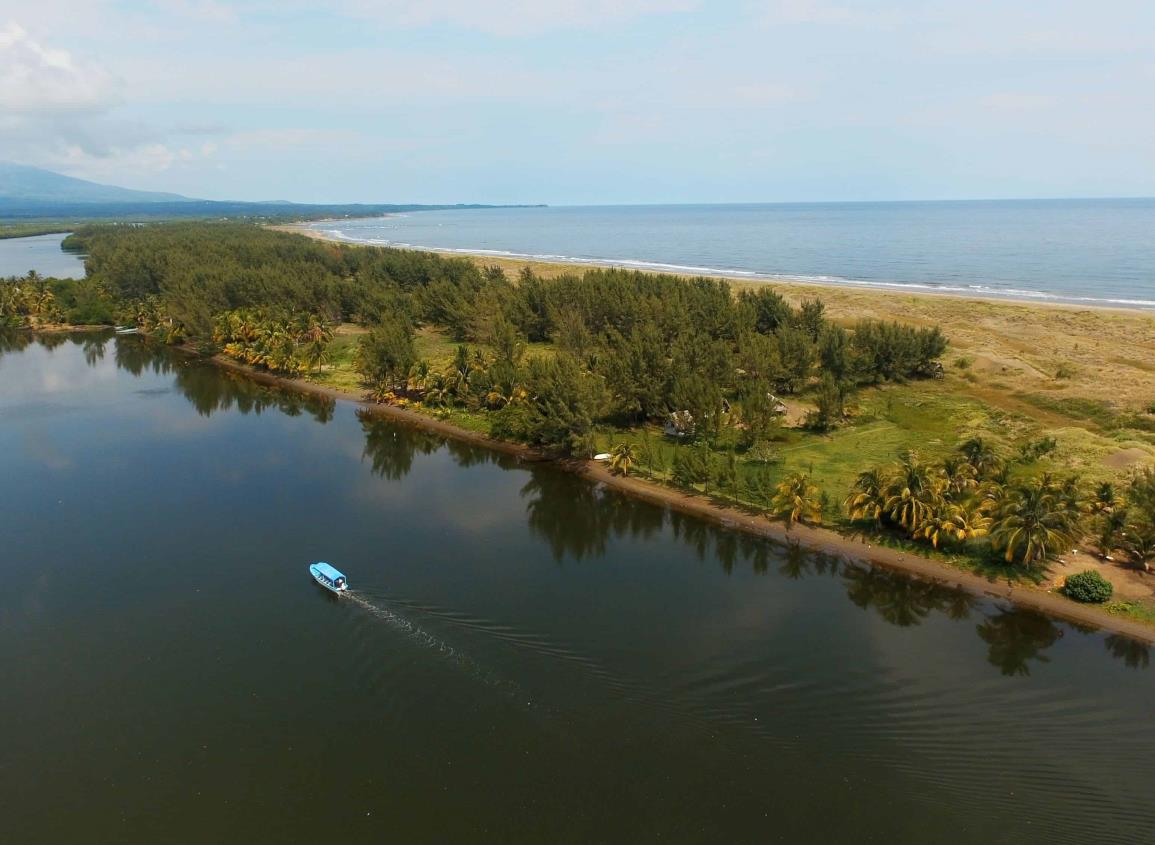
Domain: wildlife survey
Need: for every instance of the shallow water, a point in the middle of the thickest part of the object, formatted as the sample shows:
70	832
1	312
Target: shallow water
525	657
1094	252
41	253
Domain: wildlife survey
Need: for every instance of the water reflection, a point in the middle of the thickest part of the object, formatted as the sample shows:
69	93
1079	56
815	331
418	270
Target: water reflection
1016	637
900	600
579	521
210	389
1133	653
390	449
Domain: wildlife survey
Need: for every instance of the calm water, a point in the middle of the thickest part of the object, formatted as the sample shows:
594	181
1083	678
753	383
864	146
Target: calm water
1091	251
41	253
525	658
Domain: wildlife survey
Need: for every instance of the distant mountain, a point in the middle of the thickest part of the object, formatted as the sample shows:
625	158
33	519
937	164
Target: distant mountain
20	184
29	193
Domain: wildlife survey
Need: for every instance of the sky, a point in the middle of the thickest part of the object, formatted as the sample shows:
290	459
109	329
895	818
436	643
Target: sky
585	101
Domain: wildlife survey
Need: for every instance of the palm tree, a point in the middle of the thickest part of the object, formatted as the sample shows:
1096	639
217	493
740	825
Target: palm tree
981	456
1105	498
913	493
1110	524
954	522
622	458
419	376
959	475
867	499
1031	524
798	500
1140	544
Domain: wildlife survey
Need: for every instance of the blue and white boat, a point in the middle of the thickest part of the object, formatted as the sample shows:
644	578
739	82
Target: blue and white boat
328	577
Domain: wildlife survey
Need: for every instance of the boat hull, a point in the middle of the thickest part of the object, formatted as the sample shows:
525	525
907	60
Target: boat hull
328	583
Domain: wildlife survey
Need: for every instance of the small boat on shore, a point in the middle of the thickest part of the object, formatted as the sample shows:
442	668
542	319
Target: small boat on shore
126	330
328	577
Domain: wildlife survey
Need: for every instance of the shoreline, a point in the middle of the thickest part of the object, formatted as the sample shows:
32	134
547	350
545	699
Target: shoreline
742	278
813	538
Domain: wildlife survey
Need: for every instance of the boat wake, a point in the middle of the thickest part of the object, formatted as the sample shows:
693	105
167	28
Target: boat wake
379	610
413	631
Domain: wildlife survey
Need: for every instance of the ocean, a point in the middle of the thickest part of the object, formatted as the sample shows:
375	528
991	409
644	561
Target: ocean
1092	252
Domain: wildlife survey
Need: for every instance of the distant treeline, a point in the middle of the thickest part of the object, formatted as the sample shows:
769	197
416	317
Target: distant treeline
625	346
30	229
22	209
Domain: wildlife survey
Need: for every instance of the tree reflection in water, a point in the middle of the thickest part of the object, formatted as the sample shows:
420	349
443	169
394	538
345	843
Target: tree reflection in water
577	519
391	449
1133	653
93	345
1017	636
210	389
901	600
12	340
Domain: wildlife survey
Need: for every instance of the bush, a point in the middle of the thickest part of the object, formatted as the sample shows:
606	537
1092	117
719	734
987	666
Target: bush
1088	587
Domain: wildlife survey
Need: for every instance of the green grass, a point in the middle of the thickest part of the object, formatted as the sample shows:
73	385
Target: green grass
436	347
1139	611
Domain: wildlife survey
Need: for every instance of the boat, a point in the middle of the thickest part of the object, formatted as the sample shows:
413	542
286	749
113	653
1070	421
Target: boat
328	577
126	330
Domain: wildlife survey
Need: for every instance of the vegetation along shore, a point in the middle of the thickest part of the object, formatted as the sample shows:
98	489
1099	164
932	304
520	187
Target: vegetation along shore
1006	448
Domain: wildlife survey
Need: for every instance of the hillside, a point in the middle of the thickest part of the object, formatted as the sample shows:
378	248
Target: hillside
23	185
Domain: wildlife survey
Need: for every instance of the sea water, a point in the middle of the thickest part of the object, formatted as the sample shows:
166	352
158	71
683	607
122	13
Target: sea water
1095	252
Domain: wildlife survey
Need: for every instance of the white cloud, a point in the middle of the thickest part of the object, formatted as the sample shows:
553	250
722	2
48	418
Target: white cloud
57	111
35	79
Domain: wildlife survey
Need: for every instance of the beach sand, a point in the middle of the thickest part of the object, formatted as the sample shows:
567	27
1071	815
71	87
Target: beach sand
1102	354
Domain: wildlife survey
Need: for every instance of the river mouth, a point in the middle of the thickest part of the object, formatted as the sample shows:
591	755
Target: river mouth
524	657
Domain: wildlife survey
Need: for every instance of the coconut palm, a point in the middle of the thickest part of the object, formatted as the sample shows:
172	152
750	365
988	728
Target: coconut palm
982	457
798	500
419	377
959	475
622	458
1031	523
1110	525
867	499
913	493
1105	499
1140	544
954	522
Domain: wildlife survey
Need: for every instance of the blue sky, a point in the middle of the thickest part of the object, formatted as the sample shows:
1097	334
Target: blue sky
602	101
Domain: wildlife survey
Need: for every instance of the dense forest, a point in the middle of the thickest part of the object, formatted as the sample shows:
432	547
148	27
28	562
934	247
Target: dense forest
551	362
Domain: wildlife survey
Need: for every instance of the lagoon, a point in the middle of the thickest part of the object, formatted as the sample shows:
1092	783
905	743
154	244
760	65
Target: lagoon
41	253
524	657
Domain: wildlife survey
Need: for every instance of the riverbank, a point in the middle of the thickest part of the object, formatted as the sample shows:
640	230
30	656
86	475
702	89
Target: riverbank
816	539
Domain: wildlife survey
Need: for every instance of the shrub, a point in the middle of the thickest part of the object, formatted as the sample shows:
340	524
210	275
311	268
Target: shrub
1089	587
963	362
1065	372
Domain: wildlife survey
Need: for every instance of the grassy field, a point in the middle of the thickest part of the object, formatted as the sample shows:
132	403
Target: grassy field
1094	439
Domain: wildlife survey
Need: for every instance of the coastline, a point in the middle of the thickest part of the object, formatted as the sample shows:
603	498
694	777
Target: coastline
813	538
809	285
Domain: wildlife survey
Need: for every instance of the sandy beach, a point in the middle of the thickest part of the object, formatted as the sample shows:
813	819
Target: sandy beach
1104	354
